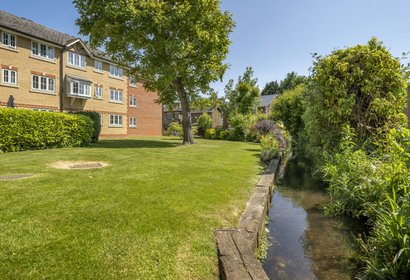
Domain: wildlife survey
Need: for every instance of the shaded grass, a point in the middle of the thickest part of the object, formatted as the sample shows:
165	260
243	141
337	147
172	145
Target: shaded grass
149	215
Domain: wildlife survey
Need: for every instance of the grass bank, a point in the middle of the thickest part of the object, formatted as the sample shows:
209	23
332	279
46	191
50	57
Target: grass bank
149	215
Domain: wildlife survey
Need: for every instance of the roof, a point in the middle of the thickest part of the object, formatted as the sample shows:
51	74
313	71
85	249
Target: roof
33	29
266	100
30	28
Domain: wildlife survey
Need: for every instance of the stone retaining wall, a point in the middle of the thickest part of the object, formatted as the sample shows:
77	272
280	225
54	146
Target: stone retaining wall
236	247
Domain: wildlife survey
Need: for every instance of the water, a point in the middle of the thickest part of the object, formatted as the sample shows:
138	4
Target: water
306	244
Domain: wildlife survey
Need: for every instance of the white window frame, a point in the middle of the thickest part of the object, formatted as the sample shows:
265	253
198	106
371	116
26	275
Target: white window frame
133	81
98	92
133	122
48	82
9	40
116	96
101	119
98	63
133	101
116	72
76	60
9	77
42	50
116	121
82	89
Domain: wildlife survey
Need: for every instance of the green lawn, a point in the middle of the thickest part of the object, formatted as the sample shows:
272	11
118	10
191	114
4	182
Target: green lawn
149	215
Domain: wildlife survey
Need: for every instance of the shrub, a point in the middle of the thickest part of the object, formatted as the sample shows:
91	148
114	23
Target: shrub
210	133
204	122
289	108
224	135
174	129
95	118
239	124
270	148
28	130
363	87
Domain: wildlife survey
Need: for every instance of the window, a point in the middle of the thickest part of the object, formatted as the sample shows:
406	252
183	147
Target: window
133	122
9	76
133	81
175	115
101	118
77	60
115	120
98	92
98	66
42	50
79	88
115	71
133	101
43	83
115	95
8	40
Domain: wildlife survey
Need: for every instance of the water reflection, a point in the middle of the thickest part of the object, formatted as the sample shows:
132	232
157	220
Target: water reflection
305	243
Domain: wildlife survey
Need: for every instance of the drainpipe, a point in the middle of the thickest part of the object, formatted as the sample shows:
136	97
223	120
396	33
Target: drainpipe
62	79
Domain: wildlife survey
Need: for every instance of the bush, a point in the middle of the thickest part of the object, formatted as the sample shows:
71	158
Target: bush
95	118
204	122
239	124
270	148
174	129
363	87
28	130
224	135
210	133
289	108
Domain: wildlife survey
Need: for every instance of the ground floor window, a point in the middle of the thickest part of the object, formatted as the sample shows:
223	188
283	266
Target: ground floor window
133	122
9	76
101	118
115	120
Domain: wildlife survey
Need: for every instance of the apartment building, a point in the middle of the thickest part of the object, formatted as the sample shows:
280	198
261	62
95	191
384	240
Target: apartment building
43	69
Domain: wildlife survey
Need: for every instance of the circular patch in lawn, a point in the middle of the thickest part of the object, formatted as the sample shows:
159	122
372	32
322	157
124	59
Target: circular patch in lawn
15	176
78	164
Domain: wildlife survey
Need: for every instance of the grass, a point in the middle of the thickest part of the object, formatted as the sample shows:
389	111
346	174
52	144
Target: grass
149	215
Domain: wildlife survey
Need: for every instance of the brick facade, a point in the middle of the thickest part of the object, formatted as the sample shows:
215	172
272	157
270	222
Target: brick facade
56	73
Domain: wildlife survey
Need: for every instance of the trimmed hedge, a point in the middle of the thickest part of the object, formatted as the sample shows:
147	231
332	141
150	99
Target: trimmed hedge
95	118
29	130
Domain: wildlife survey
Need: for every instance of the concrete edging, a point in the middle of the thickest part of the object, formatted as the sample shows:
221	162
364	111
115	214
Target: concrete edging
236	247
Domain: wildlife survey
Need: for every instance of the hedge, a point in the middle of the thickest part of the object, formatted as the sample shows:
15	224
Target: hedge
28	130
95	118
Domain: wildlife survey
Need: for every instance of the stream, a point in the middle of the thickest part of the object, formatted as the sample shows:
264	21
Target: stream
306	244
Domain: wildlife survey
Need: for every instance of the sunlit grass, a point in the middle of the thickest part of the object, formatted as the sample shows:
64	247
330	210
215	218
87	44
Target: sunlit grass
149	215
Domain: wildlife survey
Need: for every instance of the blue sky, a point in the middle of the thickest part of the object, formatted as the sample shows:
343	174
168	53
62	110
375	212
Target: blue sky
273	36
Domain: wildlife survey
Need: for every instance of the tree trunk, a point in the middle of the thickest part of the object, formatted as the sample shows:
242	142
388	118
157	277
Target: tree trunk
186	112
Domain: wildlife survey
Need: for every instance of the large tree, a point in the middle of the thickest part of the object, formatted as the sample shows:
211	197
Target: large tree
177	46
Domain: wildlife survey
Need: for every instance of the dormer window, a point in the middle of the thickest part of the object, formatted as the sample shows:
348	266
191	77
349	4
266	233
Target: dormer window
42	50
98	66
77	60
9	40
116	71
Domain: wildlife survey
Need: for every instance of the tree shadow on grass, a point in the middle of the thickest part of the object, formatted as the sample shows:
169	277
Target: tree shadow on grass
133	143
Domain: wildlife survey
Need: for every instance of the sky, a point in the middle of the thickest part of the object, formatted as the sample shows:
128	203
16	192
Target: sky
274	37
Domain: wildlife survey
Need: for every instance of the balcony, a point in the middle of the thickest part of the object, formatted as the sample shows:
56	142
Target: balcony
78	88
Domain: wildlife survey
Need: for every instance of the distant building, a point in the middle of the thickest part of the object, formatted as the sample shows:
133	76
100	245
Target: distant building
176	116
265	102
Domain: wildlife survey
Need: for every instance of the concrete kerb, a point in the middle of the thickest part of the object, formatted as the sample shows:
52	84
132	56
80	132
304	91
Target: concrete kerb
236	247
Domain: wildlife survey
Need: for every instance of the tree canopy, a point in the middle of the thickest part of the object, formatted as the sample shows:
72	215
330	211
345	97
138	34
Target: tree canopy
178	47
291	81
243	98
